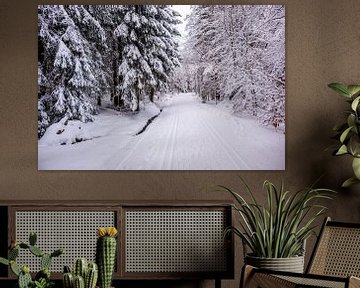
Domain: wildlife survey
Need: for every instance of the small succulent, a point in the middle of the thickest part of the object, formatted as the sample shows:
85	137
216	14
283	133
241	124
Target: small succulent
42	283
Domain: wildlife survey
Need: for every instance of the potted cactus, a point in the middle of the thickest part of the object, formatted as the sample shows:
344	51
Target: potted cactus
42	278
84	275
106	254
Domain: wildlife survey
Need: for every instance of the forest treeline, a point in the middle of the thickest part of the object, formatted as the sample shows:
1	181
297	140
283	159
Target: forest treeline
90	52
128	53
236	53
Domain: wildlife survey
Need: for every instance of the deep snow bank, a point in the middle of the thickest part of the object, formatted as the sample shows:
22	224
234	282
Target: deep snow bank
75	131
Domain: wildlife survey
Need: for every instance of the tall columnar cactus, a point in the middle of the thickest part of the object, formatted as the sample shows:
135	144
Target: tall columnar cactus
106	254
84	276
23	272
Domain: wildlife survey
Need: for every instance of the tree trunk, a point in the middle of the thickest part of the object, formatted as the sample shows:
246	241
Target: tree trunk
114	72
151	95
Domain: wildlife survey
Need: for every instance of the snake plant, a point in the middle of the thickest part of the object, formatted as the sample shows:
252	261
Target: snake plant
279	228
348	132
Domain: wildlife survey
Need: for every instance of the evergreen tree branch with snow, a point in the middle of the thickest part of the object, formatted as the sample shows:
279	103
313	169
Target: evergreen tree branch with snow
87	53
239	51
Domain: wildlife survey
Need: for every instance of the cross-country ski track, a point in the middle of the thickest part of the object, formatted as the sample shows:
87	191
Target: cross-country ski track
187	135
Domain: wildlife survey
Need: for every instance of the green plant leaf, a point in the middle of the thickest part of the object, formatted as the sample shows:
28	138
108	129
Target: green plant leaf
4	261
356	167
354	146
353	89
355	103
340	88
349	182
345	134
279	228
342	150
351	120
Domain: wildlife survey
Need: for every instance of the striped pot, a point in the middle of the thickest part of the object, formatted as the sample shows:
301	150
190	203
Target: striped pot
291	264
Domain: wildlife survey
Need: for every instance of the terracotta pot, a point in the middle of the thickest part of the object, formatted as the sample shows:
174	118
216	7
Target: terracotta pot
291	264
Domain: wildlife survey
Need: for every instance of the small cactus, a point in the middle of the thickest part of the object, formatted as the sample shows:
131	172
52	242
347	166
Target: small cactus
36	251
68	280
88	273
79	282
67	269
25	269
32	238
14	268
91	276
23	273
4	261
13	253
24	280
106	254
57	252
80	268
45	261
24	246
44	273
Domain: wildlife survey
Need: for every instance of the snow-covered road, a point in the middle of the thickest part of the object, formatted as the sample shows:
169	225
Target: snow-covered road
187	135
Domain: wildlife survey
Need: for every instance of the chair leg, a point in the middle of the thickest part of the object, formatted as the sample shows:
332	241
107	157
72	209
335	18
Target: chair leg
217	283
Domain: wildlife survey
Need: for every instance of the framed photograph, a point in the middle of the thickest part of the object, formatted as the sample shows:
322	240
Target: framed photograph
161	87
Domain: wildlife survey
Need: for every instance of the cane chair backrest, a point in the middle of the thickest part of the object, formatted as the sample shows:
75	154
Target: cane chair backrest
337	252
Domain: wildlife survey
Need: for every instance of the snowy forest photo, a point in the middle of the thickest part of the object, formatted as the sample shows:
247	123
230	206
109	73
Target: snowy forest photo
161	87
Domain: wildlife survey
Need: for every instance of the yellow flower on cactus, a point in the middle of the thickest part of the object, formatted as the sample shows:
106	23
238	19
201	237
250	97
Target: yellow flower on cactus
106	231
101	231
112	231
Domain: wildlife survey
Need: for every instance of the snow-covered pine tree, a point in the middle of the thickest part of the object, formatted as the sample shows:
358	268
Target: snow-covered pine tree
198	27
262	92
70	65
182	80
240	57
109	17
148	52
94	38
163	48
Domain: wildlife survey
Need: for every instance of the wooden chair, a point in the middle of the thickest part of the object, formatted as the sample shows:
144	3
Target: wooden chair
335	262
